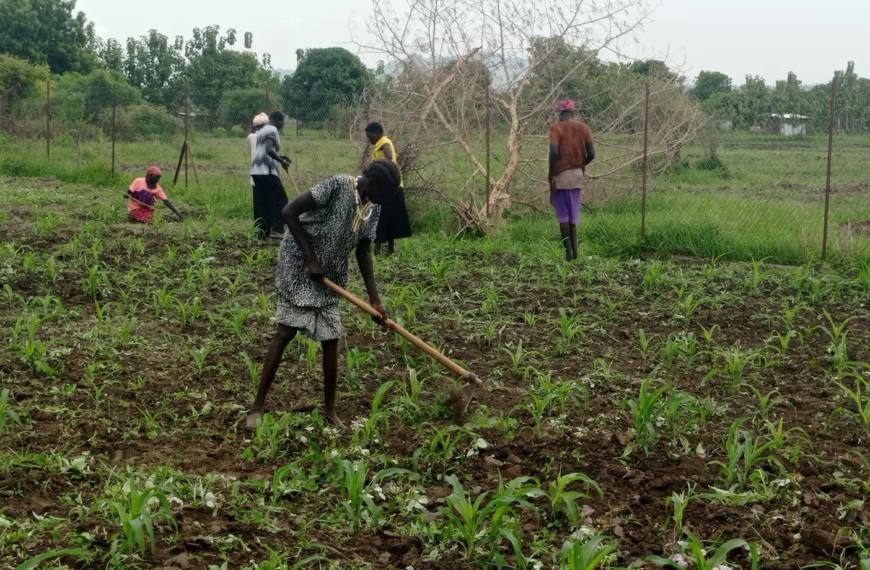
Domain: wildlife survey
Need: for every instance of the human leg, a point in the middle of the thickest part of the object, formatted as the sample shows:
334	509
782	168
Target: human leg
330	377
142	215
562	204
572	239
278	199
567	204
565	231
576	205
261	206
282	338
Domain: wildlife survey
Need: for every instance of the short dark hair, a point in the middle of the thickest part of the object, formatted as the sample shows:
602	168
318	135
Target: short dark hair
276	116
375	128
384	174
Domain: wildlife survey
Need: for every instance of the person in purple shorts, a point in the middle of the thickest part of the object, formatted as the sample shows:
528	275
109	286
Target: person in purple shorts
571	150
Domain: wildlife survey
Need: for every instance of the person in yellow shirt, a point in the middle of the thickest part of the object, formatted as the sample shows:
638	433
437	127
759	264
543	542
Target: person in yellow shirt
393	222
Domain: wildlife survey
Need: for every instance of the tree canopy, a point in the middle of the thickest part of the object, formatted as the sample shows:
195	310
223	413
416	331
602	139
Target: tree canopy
324	77
709	83
18	77
48	31
752	103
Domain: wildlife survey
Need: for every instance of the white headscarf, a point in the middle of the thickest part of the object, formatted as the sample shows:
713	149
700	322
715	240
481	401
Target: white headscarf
260	120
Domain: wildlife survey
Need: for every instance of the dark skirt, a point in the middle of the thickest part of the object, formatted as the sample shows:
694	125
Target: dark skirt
393	222
269	199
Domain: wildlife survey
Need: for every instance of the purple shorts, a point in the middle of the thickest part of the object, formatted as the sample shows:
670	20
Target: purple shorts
567	204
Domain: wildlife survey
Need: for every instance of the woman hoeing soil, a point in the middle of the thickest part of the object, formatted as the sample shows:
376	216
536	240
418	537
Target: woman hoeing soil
326	223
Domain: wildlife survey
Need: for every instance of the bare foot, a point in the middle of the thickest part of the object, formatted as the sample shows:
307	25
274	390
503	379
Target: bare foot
253	420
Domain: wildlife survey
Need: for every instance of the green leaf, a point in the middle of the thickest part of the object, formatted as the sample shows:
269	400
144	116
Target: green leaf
34	562
722	552
663	561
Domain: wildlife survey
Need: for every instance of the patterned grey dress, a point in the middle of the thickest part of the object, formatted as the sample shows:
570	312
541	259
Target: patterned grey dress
306	304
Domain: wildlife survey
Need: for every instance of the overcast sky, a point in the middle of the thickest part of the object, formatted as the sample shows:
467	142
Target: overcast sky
738	37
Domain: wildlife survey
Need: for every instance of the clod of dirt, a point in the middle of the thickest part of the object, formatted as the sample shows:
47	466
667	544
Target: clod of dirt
819	542
810	499
178	562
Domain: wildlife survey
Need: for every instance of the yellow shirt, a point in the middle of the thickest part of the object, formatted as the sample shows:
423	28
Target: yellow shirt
378	151
379	154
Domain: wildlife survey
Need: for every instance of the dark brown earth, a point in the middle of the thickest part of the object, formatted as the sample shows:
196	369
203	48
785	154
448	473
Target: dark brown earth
805	524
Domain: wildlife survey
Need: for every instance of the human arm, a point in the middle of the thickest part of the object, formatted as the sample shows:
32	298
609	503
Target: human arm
554	158
590	151
172	207
130	196
272	152
303	203
551	176
388	152
366	268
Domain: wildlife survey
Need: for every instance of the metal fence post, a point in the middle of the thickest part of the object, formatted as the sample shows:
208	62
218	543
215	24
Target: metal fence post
831	127
48	118
488	153
186	148
645	162
114	124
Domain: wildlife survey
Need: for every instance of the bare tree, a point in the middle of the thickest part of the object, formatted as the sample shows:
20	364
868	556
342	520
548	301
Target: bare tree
451	58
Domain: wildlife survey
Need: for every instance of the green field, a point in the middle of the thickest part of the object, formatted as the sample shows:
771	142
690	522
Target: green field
765	202
632	408
636	406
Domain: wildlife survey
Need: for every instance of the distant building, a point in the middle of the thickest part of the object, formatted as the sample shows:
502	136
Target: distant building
789	124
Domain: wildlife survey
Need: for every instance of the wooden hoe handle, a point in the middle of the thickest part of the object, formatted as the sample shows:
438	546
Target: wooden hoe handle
410	337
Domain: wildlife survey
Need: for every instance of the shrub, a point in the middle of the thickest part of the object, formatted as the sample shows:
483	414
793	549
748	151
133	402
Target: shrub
146	121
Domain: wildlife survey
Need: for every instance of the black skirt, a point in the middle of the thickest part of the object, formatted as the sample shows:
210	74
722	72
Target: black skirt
394	222
269	199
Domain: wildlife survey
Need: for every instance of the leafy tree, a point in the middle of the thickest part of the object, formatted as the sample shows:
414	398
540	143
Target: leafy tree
240	105
203	67
111	54
47	31
789	97
758	100
324	77
208	40
709	83
656	69
557	62
728	105
851	110
18	79
213	73
155	65
82	103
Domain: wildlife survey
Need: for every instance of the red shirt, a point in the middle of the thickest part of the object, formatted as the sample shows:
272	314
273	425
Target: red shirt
140	184
571	136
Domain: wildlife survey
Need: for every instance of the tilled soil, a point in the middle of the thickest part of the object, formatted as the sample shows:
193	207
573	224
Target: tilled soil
486	304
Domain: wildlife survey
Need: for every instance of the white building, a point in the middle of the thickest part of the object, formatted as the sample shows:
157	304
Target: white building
789	124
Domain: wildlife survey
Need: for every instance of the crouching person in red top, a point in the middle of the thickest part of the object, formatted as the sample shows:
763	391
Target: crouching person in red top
142	195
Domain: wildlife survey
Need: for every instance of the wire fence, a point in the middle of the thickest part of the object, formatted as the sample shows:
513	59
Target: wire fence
787	192
783	193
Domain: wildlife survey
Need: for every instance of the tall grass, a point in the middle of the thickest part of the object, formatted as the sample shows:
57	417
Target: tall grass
763	200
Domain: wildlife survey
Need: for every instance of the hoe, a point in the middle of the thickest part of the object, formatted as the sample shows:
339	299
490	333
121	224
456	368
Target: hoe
460	399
